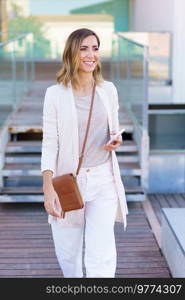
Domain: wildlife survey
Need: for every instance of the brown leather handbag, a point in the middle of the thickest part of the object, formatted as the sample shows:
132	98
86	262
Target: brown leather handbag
66	185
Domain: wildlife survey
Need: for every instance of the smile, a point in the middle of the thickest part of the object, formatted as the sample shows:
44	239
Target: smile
89	63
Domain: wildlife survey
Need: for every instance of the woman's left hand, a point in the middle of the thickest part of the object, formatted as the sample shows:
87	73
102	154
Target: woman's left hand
114	145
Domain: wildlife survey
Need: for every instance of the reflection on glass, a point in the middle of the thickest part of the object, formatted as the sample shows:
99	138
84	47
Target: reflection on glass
128	71
159	44
16	71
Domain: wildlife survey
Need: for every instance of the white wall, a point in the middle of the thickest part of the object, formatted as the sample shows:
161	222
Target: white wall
164	15
178	62
151	15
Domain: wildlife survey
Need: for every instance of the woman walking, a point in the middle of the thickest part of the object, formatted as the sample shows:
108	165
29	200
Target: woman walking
65	114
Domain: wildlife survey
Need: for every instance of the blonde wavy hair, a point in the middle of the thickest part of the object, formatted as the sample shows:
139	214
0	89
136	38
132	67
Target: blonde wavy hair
70	59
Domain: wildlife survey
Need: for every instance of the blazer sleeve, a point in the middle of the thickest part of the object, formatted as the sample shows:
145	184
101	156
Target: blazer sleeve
115	109
49	149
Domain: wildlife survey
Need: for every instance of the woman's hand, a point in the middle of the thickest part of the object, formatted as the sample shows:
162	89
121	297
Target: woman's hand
114	144
51	202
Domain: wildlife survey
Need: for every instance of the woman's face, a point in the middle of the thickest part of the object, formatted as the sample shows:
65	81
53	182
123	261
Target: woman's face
89	54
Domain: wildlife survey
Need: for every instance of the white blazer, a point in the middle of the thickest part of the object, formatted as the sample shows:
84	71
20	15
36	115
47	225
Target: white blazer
60	144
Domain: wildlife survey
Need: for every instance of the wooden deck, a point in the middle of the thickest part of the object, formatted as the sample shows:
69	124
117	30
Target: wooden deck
159	201
27	250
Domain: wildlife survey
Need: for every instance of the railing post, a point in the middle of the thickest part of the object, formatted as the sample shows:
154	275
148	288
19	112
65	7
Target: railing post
14	98
32	59
145	138
128	61
25	66
117	60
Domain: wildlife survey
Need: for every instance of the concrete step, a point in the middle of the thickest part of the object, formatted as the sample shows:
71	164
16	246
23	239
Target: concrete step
40	198
18	169
127	146
134	193
21	198
35	159
26	128
134	189
131	180
37	126
24	147
22	159
19	181
19	195
38	190
21	170
35	147
127	158
135	197
26	190
130	169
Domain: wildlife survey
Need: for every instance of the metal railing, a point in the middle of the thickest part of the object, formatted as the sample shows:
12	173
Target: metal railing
17	69
129	71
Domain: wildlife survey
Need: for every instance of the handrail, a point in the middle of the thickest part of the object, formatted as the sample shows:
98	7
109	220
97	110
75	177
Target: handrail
21	36
130	40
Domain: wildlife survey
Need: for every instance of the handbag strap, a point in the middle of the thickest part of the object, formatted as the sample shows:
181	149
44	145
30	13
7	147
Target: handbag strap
87	130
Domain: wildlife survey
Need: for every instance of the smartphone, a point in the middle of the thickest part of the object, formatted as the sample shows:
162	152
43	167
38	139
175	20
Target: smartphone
116	135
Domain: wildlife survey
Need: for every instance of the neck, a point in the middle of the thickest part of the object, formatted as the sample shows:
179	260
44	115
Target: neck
86	80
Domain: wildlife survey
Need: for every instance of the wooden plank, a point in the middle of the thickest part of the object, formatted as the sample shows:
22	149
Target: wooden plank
24	243
148	249
162	200
117	276
137	270
180	200
183	195
54	265
155	275
57	271
42	248
171	200
129	259
30	272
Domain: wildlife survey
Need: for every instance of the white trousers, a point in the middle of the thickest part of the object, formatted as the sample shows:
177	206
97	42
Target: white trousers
100	197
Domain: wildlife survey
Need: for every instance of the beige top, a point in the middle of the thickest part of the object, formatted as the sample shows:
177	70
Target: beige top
98	135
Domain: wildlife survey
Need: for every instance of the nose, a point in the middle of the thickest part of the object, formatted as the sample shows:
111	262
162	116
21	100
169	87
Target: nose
90	53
